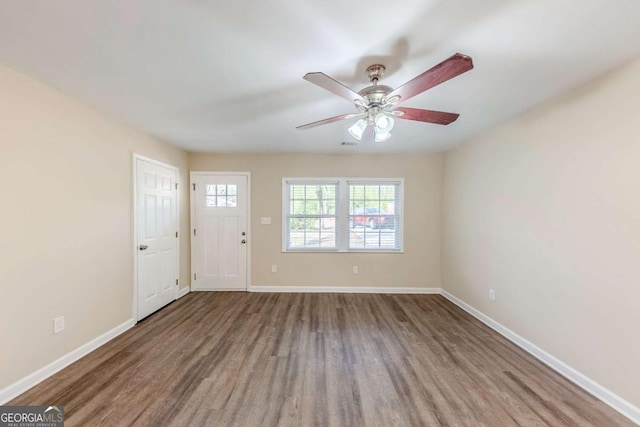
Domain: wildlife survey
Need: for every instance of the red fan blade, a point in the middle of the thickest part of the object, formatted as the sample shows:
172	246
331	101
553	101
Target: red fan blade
333	86
447	69
331	120
429	116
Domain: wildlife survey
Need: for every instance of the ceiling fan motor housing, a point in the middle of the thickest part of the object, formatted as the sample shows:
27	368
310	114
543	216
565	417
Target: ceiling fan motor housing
375	94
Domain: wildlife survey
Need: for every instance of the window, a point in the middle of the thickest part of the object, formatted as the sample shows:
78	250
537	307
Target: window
221	195
311	216
373	221
342	214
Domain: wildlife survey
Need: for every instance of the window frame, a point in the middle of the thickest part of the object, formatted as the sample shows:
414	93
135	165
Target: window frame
286	205
342	212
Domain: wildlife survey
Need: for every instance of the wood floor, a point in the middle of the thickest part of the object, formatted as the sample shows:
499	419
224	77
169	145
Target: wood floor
245	359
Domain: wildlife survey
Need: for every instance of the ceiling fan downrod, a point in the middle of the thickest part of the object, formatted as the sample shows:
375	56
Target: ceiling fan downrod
374	72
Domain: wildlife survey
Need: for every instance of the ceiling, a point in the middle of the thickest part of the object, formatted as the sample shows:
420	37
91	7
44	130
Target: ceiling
227	76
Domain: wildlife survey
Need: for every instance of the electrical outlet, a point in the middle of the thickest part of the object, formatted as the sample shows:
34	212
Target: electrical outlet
355	269
274	268
58	325
492	294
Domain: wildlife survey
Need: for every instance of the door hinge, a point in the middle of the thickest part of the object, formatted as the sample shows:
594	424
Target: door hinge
194	187
176	282
195	276
176	234
176	185
194	231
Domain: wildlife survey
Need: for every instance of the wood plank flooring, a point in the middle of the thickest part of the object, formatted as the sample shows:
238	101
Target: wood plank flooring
246	359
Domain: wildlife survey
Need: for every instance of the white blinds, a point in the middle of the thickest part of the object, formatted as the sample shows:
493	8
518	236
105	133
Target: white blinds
311	216
342	214
375	217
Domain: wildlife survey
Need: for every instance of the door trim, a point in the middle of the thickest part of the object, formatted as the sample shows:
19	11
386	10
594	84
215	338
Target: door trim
134	236
192	213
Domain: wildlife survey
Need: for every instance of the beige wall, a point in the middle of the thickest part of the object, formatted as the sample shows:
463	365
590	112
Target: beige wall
546	211
65	222
418	266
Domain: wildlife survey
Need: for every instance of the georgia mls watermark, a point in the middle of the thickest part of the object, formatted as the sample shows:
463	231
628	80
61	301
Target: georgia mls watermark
31	416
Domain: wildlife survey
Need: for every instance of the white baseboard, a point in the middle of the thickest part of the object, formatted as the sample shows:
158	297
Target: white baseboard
42	374
607	396
182	292
343	290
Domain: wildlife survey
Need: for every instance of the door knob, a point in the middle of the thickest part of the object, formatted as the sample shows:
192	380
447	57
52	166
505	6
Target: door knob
143	247
243	241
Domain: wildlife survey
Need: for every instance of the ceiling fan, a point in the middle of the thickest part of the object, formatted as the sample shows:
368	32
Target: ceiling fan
377	104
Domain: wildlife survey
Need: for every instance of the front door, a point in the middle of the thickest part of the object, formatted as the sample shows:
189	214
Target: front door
219	227
156	236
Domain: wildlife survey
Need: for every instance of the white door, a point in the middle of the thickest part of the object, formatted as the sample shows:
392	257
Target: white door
220	235
156	236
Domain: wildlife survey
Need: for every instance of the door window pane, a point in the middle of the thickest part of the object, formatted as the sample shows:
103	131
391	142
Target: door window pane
221	196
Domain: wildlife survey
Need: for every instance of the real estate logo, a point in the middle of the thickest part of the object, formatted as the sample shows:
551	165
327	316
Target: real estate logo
31	416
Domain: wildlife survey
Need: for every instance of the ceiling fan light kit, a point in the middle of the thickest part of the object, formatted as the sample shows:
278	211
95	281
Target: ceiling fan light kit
377	104
382	136
358	128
